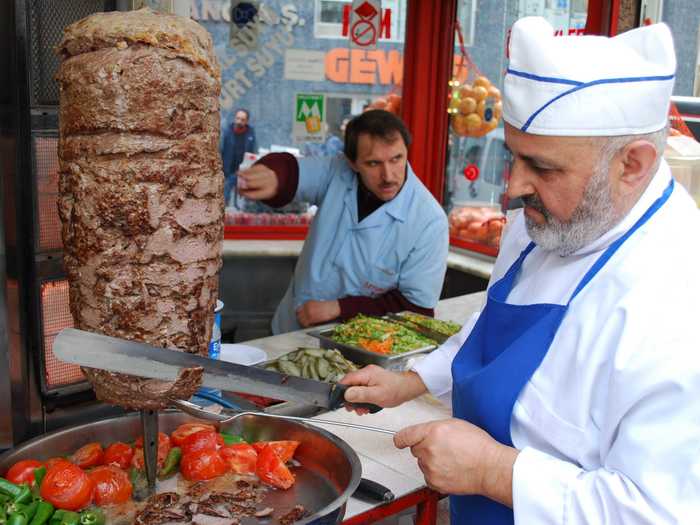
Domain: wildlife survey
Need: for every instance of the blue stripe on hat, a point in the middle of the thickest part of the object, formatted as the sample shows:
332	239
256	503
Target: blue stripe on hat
551	80
586	85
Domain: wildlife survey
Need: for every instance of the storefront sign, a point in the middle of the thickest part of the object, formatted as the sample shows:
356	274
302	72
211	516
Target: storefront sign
309	123
365	18
384	24
356	66
303	64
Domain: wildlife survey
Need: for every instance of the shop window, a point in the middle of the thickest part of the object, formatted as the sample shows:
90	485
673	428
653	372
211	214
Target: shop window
478	162
331	16
298	81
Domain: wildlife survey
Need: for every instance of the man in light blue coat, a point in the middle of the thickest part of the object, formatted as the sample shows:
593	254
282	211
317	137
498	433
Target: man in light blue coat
379	240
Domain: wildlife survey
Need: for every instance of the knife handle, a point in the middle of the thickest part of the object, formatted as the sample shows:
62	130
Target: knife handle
337	400
373	491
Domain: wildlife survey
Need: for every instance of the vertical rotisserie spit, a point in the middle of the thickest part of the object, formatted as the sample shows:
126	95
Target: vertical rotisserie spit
141	188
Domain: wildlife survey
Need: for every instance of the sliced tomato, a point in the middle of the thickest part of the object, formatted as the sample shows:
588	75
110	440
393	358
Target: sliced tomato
284	449
184	430
67	486
202	465
89	455
52	462
163	449
202	440
118	454
112	485
241	457
23	471
272	470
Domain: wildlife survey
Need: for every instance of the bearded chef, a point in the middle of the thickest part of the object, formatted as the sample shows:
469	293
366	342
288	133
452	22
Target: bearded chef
576	390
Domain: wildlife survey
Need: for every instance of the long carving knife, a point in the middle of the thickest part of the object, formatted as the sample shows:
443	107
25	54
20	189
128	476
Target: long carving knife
139	359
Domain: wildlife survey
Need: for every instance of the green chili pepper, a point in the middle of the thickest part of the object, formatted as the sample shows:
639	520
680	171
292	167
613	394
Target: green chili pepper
39	474
65	517
92	516
3	515
230	439
139	484
9	488
17	519
171	462
25	495
4	498
43	512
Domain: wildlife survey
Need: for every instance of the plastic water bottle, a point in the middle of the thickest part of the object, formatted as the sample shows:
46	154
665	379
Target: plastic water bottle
214	353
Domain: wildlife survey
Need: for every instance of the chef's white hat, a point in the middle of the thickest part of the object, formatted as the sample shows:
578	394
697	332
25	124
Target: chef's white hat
588	85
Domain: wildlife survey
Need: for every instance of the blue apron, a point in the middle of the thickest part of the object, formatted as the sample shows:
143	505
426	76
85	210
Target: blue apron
500	355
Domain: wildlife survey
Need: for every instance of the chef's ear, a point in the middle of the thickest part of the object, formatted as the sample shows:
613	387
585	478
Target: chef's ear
638	159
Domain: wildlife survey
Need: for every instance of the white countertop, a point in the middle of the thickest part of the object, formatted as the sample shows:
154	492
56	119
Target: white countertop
458	259
381	461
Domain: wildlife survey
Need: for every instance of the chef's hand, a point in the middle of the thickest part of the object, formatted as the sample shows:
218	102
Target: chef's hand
317	312
381	387
257	183
457	457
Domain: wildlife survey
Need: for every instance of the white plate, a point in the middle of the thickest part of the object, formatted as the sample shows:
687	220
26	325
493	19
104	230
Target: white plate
242	354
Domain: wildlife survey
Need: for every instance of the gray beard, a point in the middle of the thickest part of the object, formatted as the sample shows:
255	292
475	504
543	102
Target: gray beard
594	216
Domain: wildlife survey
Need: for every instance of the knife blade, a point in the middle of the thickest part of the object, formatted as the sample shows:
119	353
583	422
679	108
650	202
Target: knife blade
140	359
423	330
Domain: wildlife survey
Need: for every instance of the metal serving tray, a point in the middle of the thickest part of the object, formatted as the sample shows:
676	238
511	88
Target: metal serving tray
361	356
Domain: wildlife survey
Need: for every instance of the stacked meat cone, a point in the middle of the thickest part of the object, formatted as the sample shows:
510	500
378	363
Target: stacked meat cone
141	189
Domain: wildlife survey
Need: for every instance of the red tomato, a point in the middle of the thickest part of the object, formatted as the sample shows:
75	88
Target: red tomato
271	470
50	463
66	486
202	440
202	465
112	485
88	456
184	430
284	449
23	471
118	454
241	457
163	449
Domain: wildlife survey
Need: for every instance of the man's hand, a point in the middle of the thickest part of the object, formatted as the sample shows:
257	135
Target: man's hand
457	457
257	183
381	387
317	312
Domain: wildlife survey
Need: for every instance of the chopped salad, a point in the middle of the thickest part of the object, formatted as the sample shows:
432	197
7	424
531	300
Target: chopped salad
447	328
379	335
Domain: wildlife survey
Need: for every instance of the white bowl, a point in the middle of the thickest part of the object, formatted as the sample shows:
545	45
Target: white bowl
242	354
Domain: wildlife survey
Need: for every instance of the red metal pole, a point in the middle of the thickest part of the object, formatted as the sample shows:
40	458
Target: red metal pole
428	56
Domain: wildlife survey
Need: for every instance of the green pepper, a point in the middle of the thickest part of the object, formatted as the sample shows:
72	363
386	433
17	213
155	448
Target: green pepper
230	439
92	516
39	474
25	495
10	489
17	519
3	515
65	517
43	512
139	484
171	462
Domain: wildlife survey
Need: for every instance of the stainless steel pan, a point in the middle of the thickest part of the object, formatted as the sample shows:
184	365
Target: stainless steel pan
329	474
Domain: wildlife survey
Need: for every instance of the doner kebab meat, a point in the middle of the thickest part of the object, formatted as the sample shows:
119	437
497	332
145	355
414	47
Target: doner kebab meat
141	189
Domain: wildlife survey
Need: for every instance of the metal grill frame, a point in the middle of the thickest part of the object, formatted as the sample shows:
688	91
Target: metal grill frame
45	22
49	131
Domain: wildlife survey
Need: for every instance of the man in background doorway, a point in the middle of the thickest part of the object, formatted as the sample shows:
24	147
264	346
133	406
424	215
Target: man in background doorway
236	139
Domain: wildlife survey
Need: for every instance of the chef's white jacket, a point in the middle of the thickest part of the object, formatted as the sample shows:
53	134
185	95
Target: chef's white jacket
608	427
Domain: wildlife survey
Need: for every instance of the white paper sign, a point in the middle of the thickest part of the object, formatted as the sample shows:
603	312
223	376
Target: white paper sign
302	64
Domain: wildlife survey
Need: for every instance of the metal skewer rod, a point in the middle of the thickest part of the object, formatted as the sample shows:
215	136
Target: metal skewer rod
149	423
197	411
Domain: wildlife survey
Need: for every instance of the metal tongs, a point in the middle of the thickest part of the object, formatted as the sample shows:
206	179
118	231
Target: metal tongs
199	412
